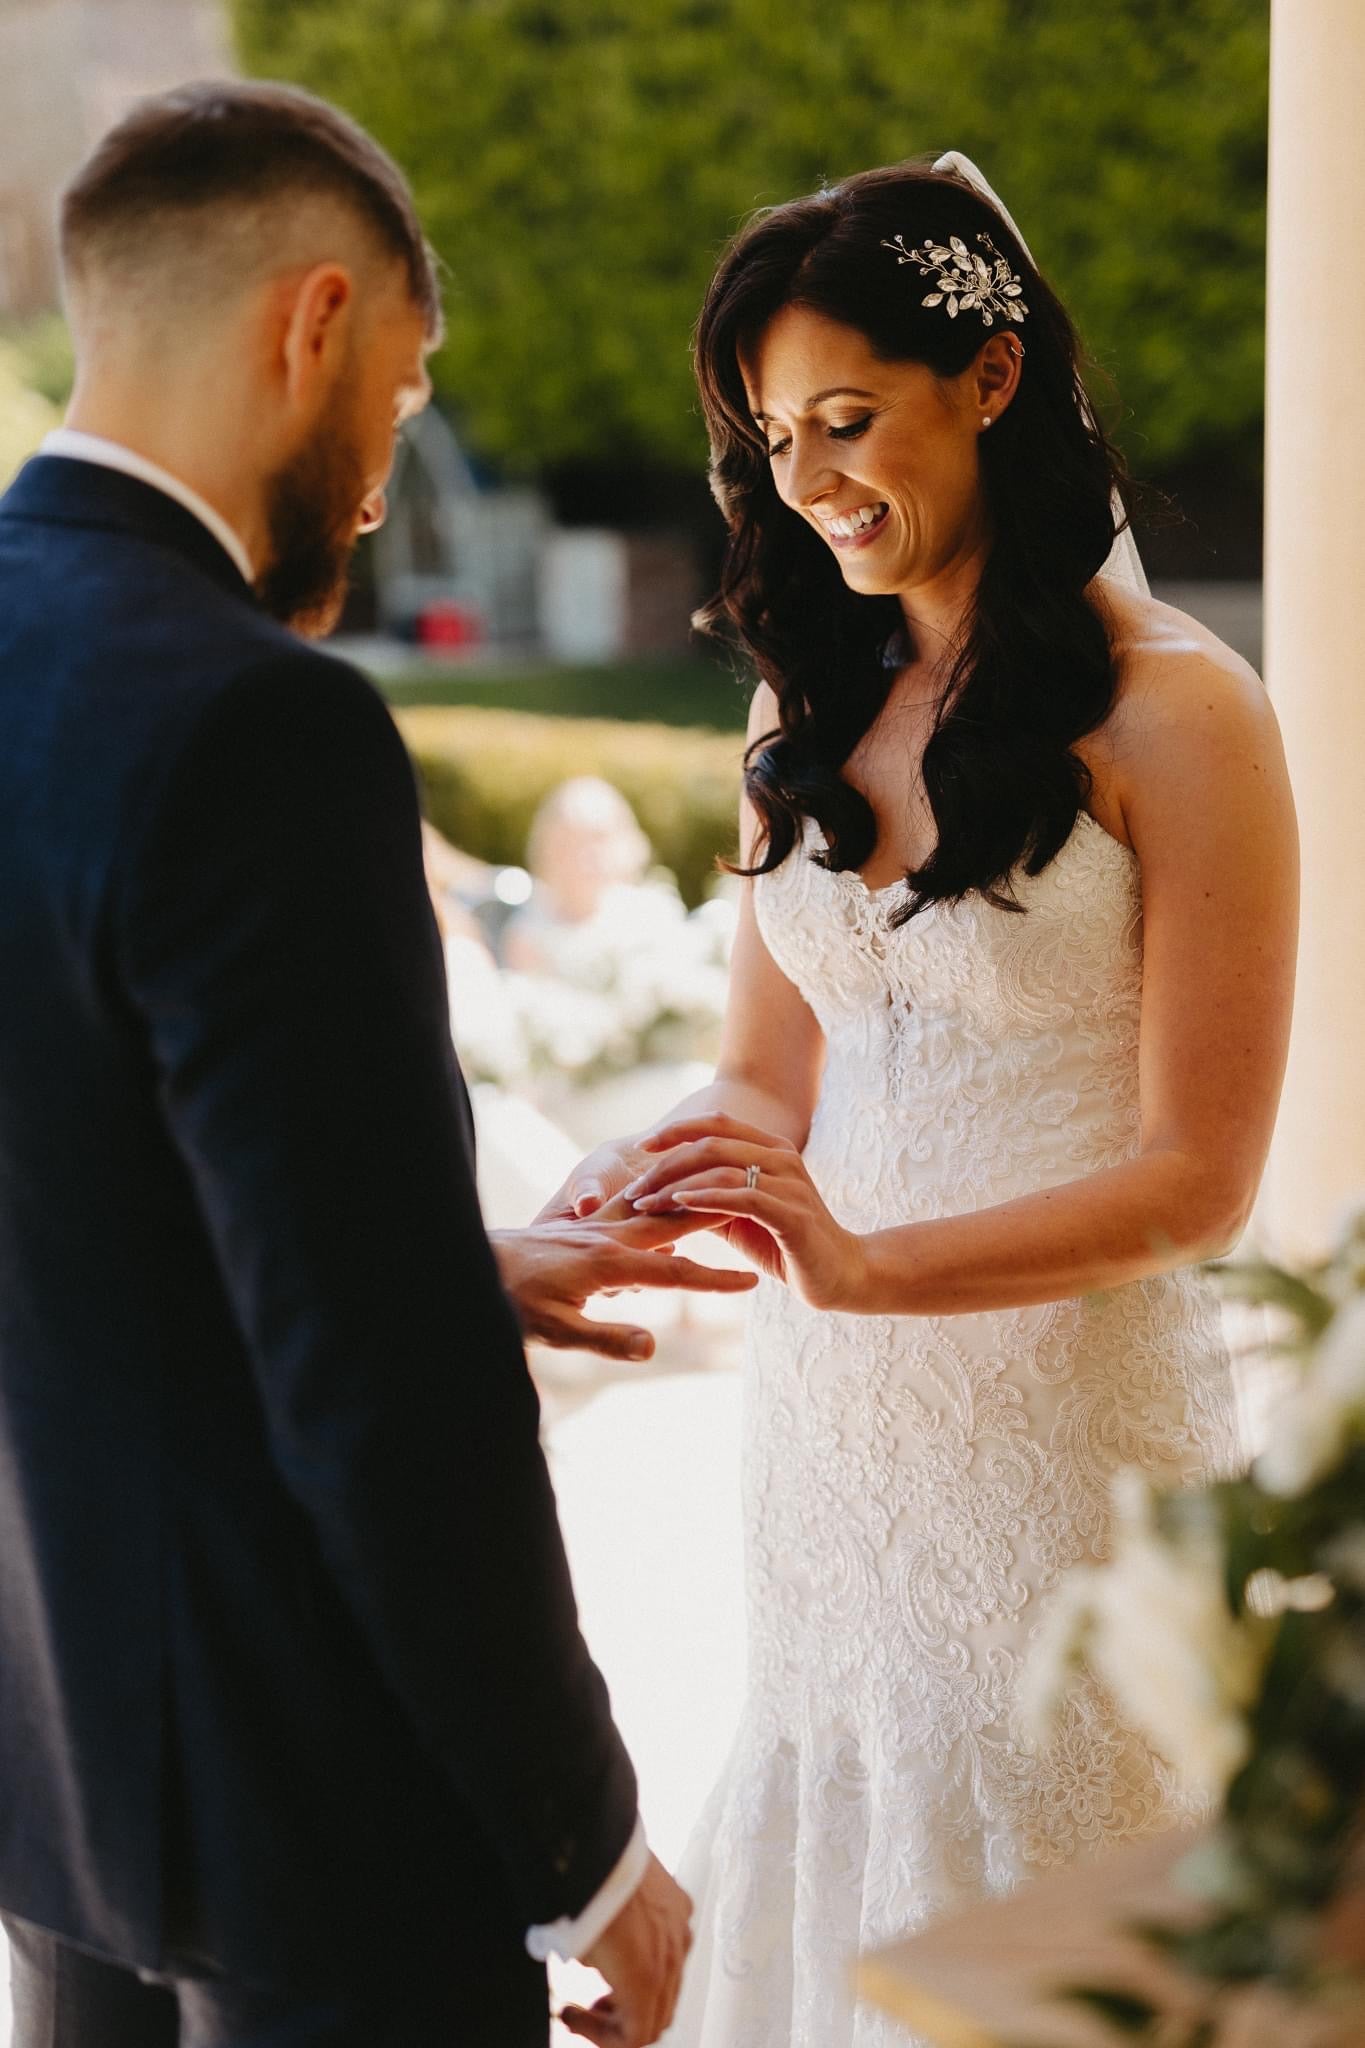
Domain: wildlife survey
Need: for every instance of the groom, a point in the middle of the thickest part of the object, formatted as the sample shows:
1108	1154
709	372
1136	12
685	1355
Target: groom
299	1741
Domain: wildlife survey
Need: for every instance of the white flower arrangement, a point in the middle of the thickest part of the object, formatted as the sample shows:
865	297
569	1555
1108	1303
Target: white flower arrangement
1154	1625
1322	1413
641	991
1230	1626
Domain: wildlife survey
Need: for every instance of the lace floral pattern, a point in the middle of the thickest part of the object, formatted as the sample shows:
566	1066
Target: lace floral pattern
913	1487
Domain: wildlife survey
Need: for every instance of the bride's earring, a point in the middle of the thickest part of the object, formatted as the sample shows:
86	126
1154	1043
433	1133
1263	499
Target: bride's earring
985	419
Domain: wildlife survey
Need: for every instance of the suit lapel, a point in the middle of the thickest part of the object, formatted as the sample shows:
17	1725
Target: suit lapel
58	490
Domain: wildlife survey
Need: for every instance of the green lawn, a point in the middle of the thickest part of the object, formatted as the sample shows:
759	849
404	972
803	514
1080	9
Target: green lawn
682	691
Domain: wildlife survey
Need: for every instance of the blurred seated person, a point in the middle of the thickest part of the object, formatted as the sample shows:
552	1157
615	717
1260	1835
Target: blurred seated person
452	878
588	859
523	1156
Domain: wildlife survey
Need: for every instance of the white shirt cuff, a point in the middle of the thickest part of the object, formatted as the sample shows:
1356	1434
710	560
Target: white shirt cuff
573	1938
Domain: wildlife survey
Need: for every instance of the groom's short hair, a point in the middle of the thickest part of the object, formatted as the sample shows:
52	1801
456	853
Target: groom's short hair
228	152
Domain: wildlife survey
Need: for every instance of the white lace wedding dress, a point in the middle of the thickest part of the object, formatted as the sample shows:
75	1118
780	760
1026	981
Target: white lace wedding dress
913	1486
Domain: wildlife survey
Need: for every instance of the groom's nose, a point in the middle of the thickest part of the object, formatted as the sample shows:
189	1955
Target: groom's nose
373	511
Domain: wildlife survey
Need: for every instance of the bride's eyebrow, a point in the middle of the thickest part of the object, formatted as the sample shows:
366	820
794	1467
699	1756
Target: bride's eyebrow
818	397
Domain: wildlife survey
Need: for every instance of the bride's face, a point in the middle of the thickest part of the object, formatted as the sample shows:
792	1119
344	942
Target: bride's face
880	458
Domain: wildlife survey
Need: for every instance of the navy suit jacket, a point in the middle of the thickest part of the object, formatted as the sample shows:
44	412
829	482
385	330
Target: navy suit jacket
289	1657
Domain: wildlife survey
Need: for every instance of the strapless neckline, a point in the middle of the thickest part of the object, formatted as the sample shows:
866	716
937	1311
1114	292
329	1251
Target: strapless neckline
853	878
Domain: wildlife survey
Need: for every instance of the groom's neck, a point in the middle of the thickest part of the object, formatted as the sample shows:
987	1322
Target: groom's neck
193	429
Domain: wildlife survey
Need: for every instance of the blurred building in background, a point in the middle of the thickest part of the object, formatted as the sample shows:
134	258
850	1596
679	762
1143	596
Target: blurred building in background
455	565
68	69
582	530
464	563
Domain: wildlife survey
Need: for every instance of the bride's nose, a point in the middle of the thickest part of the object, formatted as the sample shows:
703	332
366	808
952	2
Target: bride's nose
810	475
373	512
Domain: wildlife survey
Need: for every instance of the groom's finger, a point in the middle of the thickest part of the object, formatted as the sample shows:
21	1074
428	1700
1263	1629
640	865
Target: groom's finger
656	1269
627	1228
600	2023
572	1332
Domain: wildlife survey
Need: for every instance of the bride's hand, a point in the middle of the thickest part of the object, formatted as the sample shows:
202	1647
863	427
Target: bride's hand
781	1223
596	1180
595	1189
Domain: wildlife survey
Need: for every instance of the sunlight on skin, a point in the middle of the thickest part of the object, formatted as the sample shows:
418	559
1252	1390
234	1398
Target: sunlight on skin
847	431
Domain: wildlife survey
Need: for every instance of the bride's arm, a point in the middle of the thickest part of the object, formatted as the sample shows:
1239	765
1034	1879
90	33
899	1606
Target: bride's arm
1200	775
771	1054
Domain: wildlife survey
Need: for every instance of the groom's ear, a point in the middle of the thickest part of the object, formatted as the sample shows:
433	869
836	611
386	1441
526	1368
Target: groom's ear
316	319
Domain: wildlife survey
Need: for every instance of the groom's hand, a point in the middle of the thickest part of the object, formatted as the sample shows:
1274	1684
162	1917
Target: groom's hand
641	1955
551	1270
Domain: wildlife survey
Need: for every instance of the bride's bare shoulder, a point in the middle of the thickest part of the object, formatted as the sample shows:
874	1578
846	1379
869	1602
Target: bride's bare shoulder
1184	698
1163	655
1189	713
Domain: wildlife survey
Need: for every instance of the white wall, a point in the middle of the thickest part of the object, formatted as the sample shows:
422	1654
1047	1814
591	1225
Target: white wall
1315	534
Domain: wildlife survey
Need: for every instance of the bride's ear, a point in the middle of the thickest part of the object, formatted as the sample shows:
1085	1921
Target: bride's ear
995	376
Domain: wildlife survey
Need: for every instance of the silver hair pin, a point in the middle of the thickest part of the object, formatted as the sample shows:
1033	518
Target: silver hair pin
964	279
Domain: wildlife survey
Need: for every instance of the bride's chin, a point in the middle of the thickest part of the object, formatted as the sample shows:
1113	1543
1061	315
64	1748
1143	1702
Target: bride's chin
872	583
872	576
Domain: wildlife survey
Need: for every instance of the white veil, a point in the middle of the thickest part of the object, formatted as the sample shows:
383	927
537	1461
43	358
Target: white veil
1124	565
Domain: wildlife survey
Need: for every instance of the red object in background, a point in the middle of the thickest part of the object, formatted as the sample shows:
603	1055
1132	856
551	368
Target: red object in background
446	624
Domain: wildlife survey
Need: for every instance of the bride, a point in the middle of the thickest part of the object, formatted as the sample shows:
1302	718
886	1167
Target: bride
1009	1012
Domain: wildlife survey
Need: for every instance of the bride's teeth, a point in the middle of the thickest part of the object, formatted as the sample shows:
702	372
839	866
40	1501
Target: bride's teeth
847	524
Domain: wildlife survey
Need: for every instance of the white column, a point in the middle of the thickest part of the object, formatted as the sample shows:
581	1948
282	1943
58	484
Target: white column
1315	585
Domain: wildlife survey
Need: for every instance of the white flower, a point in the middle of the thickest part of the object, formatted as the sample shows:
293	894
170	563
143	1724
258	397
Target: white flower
1155	1627
1312	1426
1344	1557
1180	1664
1056	1654
484	1016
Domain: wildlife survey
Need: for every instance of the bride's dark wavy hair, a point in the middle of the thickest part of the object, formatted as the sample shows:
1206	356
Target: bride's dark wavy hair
1035	671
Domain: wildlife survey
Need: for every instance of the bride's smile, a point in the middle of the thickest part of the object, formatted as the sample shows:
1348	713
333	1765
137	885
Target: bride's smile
854	529
880	458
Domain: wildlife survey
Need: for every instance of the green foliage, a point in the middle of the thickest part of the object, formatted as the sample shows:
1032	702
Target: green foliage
40	350
580	163
484	772
1287	1849
1122	2010
660	692
25	415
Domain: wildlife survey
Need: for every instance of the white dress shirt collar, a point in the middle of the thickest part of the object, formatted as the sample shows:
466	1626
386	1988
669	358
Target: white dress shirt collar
79	447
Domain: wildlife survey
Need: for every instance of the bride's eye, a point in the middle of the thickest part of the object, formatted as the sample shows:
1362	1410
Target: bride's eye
849	433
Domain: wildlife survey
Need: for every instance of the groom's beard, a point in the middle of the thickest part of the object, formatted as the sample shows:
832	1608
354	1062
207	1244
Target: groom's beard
312	519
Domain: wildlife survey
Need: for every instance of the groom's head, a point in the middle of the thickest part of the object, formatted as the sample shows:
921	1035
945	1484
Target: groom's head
247	281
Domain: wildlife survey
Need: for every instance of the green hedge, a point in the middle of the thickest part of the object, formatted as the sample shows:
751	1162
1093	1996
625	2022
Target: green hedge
686	690
484	772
